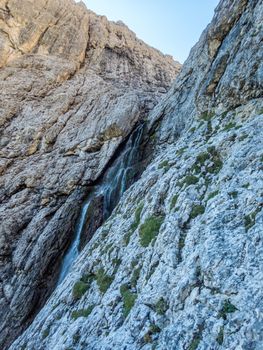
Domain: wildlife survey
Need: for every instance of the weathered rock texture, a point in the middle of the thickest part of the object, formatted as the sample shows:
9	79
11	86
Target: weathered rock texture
73	85
179	263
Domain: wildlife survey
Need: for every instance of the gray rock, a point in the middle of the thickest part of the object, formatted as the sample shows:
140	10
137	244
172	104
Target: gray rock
178	265
73	86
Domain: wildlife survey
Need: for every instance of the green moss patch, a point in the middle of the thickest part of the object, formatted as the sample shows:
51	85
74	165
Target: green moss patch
150	229
194	344
135	277
137	215
81	286
153	329
76	338
215	158
82	312
202	157
233	194
174	201
200	161
197	337
136	261
79	289
207	116
127	237
128	298
197	210
164	165
108	249
188	180
103	280
250	219
227	308
220	337
161	306
229	126
116	263
212	155
46	332
216	167
223	115
152	269
212	195
181	151
134	225
242	137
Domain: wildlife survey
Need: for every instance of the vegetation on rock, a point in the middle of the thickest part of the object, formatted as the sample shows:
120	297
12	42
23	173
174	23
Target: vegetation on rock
149	230
82	312
227	308
128	298
161	306
103	280
197	210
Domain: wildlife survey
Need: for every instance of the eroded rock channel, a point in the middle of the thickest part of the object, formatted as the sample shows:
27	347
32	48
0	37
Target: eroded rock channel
103	197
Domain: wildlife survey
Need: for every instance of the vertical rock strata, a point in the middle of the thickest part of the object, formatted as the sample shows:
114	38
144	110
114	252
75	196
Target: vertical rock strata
73	85
178	265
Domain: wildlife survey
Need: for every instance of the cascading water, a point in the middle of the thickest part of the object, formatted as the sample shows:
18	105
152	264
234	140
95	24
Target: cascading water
114	183
73	250
122	173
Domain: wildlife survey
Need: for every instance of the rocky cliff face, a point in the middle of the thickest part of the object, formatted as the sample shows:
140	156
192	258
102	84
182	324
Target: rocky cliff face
178	265
73	86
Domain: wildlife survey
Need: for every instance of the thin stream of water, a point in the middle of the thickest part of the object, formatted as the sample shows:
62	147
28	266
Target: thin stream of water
114	183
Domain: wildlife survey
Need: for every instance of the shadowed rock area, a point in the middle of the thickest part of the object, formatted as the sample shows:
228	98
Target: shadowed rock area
73	86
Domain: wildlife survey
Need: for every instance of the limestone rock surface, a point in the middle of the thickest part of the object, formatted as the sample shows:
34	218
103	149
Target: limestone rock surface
73	85
179	263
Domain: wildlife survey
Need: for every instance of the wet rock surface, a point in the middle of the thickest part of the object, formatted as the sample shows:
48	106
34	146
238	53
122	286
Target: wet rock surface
73	86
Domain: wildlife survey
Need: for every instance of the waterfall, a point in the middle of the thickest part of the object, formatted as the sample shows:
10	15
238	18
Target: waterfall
122	172
119	176
73	250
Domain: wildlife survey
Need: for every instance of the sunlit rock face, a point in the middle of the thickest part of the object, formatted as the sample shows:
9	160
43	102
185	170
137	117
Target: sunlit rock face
73	86
178	265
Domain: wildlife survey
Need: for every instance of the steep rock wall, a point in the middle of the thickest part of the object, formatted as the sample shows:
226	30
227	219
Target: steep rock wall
73	86
178	264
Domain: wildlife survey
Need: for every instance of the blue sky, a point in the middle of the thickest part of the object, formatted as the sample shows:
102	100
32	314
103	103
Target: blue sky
172	26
